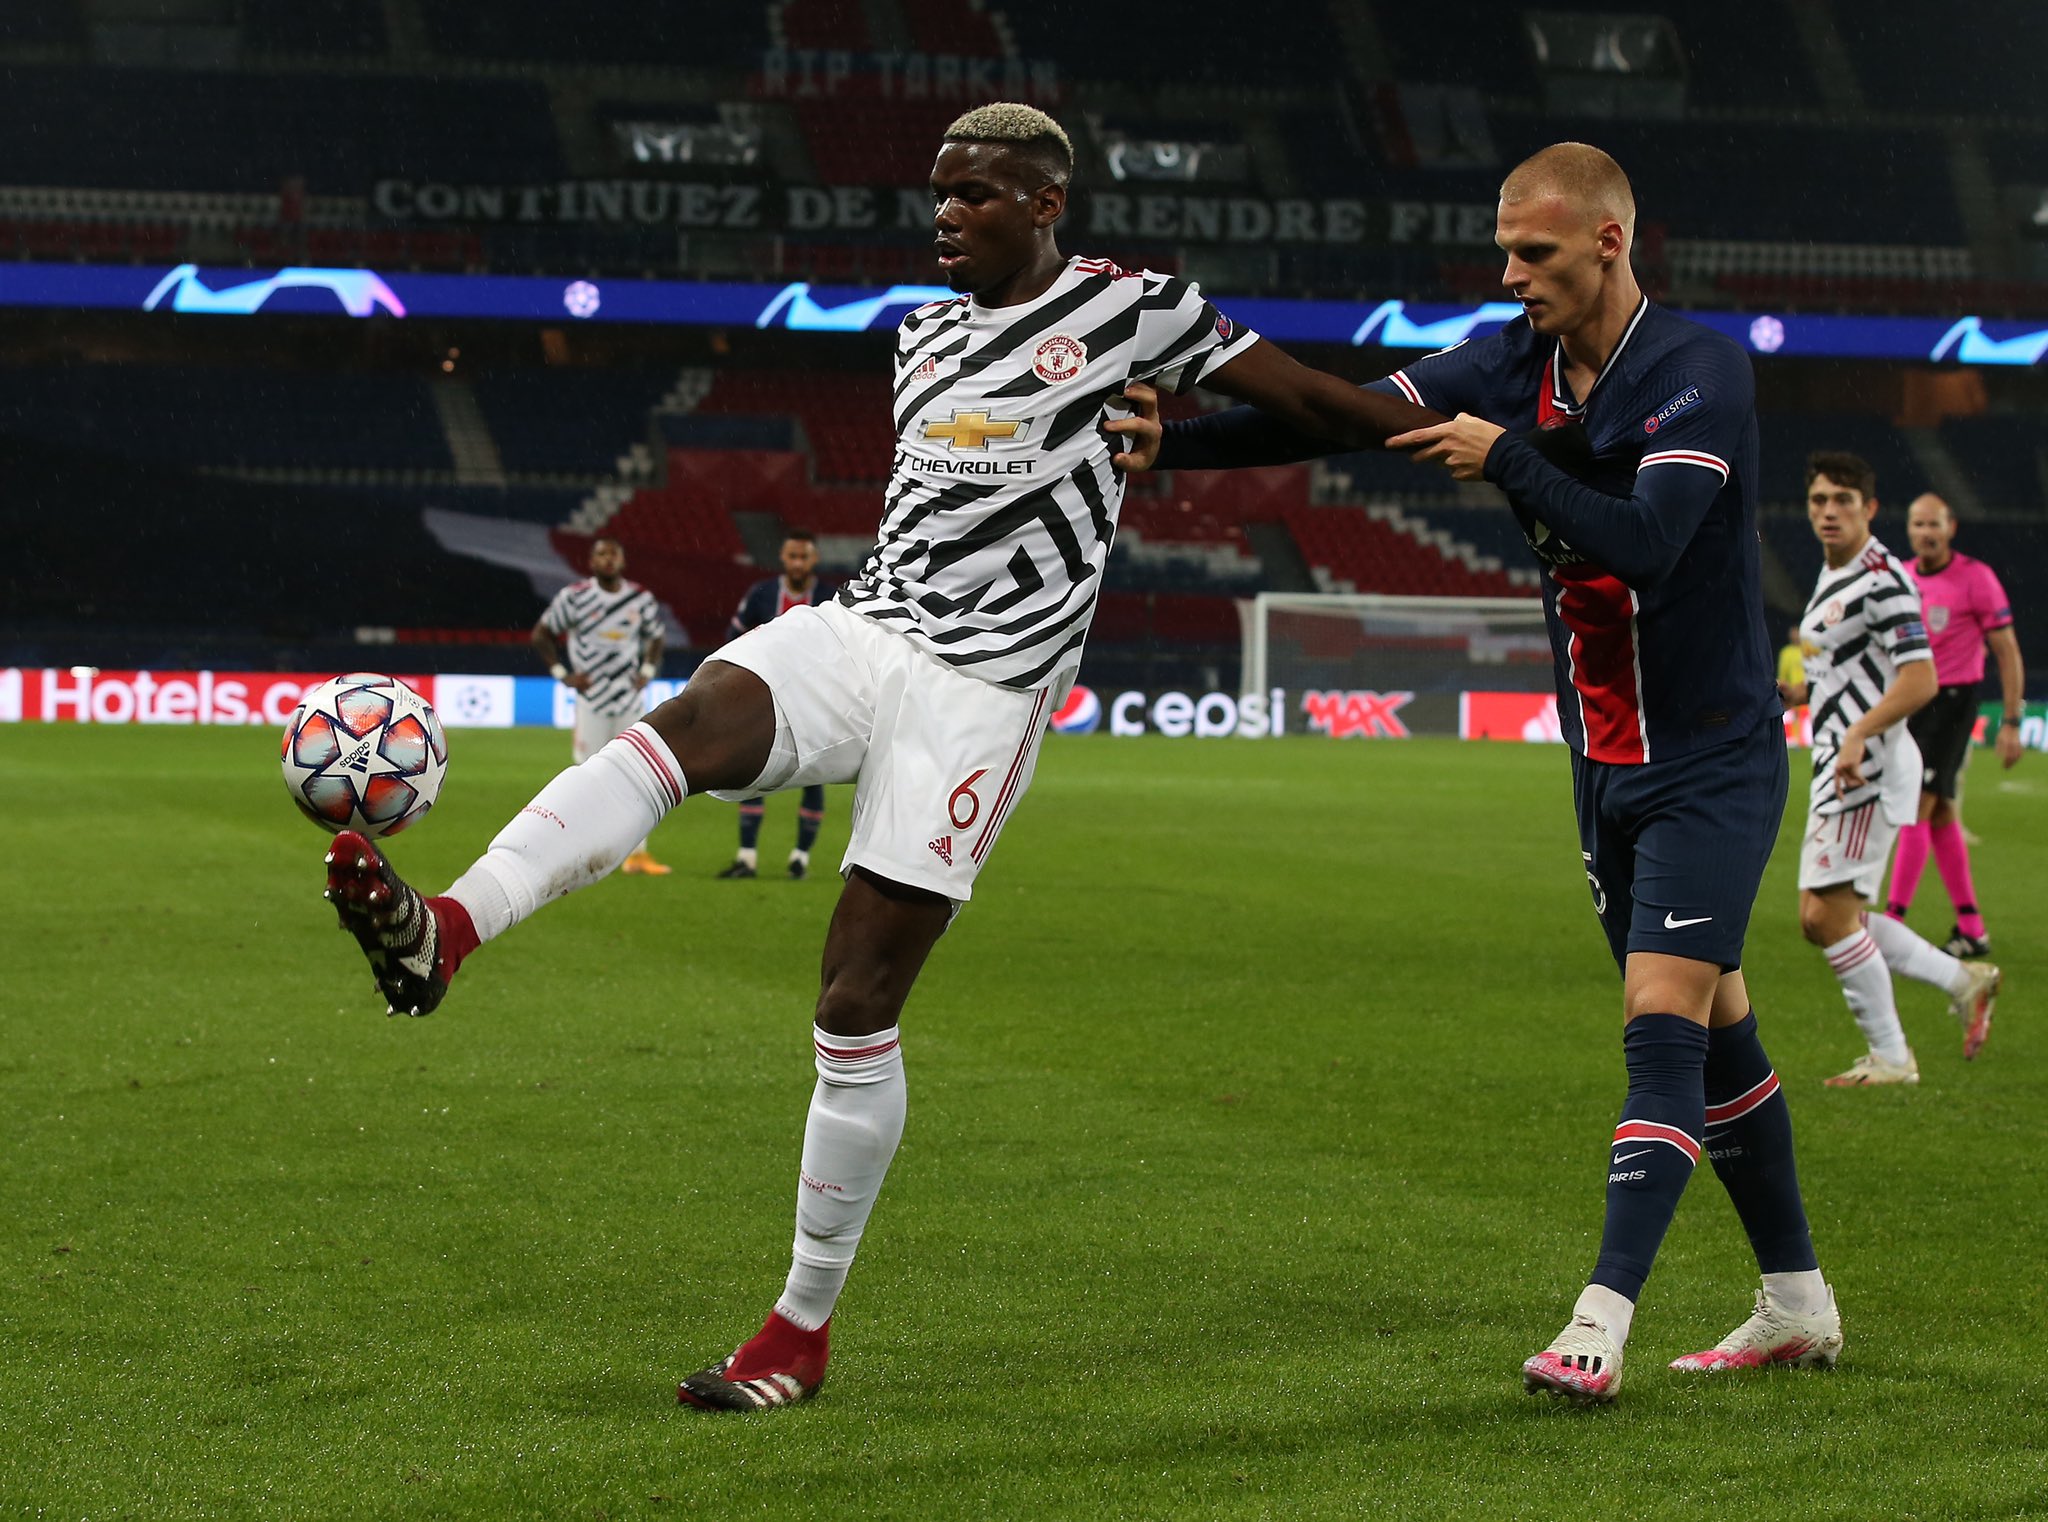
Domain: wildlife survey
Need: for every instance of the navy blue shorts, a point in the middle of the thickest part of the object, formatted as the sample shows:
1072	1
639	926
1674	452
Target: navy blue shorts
1675	850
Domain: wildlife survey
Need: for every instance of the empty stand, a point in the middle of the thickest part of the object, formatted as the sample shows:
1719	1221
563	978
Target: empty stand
962	28
194	416
844	415
248	131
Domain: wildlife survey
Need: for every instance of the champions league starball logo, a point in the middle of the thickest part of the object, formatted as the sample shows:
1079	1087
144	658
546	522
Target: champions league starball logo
360	292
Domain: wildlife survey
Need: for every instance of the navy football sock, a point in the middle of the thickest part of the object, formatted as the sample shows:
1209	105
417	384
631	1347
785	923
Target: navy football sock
1655	1146
1749	1141
750	823
810	816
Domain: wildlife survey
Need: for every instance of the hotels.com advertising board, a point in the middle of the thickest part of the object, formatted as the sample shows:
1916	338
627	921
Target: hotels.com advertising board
89	695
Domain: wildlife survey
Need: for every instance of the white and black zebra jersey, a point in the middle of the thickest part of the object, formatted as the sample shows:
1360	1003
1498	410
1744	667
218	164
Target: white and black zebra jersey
605	634
1862	624
1002	501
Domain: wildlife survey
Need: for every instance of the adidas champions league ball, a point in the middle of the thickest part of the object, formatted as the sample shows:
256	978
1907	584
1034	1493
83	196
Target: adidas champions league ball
364	752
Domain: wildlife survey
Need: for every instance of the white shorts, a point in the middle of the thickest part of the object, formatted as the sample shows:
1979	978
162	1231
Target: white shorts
1850	847
941	758
594	731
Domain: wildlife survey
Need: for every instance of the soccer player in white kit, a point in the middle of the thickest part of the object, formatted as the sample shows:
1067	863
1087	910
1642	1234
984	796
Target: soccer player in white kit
602	638
1868	669
929	681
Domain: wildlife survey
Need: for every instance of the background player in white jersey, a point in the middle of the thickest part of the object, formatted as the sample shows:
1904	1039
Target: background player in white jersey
1869	669
928	681
602	638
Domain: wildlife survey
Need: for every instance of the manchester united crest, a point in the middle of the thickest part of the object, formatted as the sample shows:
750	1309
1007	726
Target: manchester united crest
1059	358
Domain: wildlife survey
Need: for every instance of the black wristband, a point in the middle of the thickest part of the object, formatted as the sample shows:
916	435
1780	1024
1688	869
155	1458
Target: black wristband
2009	719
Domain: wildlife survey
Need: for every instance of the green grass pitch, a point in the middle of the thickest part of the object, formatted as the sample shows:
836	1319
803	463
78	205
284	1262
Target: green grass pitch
1257	1123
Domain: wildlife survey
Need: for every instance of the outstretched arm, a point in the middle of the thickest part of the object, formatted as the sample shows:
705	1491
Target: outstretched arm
1297	413
1308	412
1638	538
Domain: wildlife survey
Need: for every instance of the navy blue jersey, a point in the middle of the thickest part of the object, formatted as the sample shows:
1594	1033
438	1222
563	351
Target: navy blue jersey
767	599
1652	586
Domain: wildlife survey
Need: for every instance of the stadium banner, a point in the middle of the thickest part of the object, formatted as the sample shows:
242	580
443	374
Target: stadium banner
1532	716
90	695
802	307
729	203
1352	713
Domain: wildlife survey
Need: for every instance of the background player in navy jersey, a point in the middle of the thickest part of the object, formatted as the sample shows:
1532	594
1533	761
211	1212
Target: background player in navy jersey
797	587
1653	595
602	638
928	680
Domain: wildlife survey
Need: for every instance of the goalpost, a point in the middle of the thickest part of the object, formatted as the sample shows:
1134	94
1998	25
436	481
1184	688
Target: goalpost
1429	650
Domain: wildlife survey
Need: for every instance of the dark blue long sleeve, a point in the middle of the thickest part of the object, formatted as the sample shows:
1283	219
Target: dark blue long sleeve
1638	539
1238	437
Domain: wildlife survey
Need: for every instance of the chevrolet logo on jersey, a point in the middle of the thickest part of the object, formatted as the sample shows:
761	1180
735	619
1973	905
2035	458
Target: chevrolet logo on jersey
972	429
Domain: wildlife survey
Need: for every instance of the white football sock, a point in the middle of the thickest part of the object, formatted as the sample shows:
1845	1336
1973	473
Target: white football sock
1867	984
577	829
1801	1292
747	856
801	858
855	1123
1610	1307
1910	956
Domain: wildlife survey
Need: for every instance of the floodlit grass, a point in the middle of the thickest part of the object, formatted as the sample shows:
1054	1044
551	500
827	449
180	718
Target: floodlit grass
1257	1123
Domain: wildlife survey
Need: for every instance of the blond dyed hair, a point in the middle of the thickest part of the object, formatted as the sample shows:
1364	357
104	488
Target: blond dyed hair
1022	126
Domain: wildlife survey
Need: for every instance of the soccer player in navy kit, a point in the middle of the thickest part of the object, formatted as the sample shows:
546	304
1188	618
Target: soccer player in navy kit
797	587
1653	594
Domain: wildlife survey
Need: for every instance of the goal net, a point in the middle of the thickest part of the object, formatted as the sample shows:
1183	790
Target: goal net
1366	664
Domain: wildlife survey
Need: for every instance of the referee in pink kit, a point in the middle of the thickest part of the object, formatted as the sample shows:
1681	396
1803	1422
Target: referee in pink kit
1967	611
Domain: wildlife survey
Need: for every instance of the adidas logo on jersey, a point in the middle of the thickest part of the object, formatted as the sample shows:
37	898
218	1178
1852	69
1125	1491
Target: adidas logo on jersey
926	370
943	849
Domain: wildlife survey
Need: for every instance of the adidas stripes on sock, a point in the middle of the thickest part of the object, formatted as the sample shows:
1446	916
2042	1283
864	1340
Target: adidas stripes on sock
577	830
855	1123
1655	1146
1867	986
1749	1142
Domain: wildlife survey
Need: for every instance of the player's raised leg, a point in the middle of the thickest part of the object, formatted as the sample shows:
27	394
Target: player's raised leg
881	934
1972	987
717	733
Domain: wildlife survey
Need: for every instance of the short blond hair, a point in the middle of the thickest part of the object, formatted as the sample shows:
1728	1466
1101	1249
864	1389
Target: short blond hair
1579	173
1022	126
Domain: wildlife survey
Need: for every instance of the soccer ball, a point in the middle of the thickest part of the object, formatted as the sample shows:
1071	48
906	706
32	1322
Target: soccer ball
364	752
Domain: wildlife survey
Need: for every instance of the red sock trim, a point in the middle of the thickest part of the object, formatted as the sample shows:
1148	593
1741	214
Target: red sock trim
783	1347
458	934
